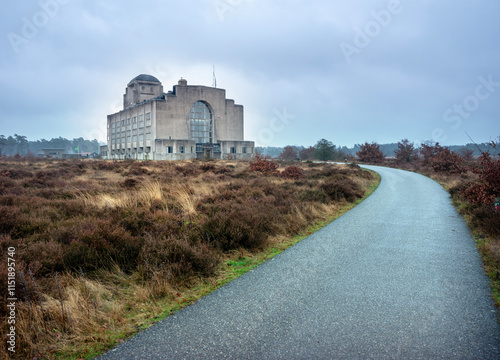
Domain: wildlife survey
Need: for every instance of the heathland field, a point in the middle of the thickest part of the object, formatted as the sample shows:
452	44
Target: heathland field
104	249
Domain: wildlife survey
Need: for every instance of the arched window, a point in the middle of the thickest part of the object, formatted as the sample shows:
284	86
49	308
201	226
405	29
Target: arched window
201	123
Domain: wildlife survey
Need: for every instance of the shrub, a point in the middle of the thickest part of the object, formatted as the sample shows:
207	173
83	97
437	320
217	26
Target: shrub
10	216
236	227
467	154
136	170
224	170
189	169
243	215
45	256
370	153
108	165
332	171
207	167
16	173
488	186
486	219
342	188
429	151
263	165
129	183
406	151
307	154
448	162
100	244
288	153
182	256
293	172
312	195
6	183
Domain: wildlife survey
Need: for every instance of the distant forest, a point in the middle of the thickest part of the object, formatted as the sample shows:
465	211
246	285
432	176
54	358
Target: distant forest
387	149
18	144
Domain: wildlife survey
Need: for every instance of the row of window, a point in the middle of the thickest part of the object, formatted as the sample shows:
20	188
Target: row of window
129	132
182	150
168	150
232	150
131	127
134	138
129	121
131	151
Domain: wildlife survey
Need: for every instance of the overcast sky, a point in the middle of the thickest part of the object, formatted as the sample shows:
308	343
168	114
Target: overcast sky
348	71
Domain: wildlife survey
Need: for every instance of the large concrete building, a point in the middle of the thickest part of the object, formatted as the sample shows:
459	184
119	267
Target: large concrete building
191	121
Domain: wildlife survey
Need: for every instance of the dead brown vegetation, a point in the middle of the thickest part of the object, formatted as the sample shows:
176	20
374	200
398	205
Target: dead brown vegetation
97	241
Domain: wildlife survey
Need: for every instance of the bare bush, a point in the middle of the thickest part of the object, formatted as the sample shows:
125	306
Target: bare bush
448	162
370	153
263	165
488	187
293	172
406	152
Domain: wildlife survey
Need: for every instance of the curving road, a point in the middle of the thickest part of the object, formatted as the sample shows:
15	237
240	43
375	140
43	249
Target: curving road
397	277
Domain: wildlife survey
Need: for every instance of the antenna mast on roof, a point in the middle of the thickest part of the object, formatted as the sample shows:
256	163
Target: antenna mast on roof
214	84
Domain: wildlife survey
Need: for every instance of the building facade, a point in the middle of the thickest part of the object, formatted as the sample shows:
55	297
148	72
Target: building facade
189	122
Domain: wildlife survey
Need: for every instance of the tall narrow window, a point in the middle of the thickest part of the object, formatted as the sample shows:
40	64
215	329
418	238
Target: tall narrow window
201	123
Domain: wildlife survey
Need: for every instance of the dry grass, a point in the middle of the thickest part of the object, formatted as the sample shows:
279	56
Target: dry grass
184	197
148	194
114	246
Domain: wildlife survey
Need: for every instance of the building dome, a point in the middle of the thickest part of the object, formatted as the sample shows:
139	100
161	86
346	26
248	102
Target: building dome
145	77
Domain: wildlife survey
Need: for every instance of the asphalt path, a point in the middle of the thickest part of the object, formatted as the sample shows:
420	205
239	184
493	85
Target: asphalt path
397	277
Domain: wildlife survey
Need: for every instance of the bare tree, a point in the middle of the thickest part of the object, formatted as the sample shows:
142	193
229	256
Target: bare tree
307	153
288	153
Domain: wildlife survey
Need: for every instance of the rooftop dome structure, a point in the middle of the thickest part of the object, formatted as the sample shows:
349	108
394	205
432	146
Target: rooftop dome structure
145	77
142	88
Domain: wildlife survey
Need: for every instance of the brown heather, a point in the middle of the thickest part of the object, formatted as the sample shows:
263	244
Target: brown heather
102	246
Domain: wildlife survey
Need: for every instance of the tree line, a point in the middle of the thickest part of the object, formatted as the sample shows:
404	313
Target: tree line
19	144
325	150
